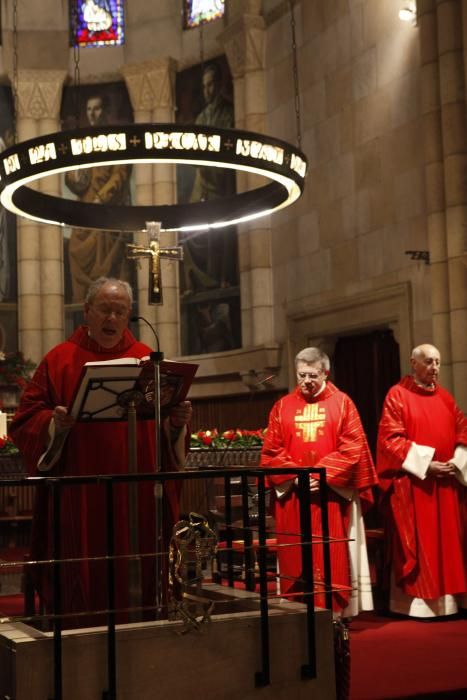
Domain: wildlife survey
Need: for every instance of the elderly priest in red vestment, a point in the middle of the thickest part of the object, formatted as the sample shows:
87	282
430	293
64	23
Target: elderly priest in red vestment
422	465
90	449
318	425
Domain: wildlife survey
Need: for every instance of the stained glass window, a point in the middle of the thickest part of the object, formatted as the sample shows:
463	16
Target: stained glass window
196	12
97	22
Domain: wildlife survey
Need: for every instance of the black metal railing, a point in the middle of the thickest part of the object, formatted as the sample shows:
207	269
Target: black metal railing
255	548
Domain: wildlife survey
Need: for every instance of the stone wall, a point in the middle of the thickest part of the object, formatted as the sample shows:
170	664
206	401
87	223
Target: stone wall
365	95
383	126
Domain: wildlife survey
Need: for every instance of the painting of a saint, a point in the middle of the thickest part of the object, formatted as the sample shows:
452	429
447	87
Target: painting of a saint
210	266
93	253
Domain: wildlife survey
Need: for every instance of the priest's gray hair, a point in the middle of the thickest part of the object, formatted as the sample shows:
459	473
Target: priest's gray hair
97	284
312	355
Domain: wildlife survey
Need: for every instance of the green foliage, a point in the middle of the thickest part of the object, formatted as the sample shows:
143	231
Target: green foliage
229	439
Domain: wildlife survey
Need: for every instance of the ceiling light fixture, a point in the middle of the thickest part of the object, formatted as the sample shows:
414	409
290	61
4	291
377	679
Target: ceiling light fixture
30	161
408	13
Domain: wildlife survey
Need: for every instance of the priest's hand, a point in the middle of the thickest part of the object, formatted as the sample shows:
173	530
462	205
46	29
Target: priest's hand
63	421
314	484
441	470
181	414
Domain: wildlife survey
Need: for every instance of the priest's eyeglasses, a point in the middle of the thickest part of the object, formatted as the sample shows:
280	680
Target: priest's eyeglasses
310	375
106	311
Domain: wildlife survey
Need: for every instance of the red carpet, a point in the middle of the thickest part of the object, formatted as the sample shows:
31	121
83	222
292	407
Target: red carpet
11	605
393	658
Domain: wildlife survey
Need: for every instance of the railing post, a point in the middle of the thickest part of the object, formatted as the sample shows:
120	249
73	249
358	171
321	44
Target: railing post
57	597
262	678
54	490
247	537
323	497
111	693
307	670
228	529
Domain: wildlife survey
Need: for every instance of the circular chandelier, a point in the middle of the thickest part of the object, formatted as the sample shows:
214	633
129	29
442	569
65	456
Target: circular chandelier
28	162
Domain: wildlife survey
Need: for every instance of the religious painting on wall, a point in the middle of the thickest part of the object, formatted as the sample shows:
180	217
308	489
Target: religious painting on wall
209	276
8	260
91	253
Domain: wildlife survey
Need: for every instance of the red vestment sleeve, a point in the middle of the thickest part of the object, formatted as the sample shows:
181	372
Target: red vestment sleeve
393	442
350	465
392	448
461	423
30	427
273	453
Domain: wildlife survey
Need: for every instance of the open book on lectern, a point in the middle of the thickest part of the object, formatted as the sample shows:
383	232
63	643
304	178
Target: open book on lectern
105	388
102	390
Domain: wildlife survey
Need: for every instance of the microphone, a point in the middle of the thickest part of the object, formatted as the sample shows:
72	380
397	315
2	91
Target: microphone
251	381
265	380
134	319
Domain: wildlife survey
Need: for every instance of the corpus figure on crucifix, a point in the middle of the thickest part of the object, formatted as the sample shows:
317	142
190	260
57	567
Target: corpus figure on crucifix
316	425
154	251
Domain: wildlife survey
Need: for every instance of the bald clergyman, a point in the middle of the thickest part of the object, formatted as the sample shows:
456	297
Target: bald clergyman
422	465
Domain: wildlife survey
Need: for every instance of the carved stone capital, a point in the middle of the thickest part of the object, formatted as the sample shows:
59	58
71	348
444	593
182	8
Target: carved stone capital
39	93
243	40
151	84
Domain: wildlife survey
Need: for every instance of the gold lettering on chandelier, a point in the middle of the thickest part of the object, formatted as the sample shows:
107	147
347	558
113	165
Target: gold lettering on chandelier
182	141
311	422
259	151
11	163
101	143
42	153
298	165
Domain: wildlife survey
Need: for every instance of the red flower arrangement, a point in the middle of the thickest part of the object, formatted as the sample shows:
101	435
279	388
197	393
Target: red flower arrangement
7	446
14	369
234	439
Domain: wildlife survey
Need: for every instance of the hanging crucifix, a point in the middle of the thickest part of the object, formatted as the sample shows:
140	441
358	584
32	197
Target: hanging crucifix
154	251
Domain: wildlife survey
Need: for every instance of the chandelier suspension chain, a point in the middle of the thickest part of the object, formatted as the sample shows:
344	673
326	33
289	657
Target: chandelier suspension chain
295	75
76	61
15	69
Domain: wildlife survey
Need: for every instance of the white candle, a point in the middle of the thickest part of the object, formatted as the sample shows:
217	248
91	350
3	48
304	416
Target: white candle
2	424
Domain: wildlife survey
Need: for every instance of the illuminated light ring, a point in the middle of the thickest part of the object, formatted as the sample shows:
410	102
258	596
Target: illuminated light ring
51	154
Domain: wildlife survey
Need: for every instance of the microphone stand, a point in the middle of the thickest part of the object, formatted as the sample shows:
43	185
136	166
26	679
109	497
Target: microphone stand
156	358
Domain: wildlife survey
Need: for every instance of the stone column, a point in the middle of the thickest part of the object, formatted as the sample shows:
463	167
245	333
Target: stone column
151	88
434	182
243	40
443	107
454	129
40	247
